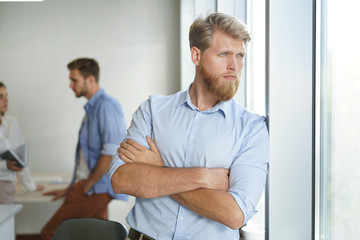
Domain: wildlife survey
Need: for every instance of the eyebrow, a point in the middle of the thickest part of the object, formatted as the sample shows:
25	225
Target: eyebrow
232	52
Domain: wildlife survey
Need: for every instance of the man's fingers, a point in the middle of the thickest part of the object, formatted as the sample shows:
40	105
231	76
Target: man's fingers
128	154
151	144
129	147
135	145
48	193
125	158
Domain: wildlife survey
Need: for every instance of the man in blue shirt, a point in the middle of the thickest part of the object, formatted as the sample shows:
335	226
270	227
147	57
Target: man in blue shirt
206	165
102	129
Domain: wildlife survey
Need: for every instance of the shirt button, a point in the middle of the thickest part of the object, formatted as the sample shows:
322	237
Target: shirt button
192	137
181	218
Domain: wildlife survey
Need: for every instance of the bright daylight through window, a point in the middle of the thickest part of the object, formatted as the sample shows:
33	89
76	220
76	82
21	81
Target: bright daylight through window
255	91
339	126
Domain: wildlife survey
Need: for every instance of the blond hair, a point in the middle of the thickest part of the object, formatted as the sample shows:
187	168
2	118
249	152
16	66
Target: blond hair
202	29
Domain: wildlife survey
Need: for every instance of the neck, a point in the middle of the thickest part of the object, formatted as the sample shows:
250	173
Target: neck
200	96
92	91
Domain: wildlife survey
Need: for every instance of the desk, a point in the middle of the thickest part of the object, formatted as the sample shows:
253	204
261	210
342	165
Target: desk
7	213
38	209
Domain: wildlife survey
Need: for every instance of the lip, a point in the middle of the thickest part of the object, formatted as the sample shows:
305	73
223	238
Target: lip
230	77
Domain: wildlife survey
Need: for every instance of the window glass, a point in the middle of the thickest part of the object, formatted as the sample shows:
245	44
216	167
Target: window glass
256	58
340	127
255	96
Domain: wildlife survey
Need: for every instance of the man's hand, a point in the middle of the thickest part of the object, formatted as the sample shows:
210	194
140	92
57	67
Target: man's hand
87	186
57	193
133	152
12	166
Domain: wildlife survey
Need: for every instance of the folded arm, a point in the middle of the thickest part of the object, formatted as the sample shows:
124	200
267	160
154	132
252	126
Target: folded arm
213	202
217	205
149	181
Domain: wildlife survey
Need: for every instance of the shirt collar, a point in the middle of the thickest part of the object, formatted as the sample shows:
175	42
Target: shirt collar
223	107
94	98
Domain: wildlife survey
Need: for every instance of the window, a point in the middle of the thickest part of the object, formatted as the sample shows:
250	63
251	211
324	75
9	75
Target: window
255	91
339	127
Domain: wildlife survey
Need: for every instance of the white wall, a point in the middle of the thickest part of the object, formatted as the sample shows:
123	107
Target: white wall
136	43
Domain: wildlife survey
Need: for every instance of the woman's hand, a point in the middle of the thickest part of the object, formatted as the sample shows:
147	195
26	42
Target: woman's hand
12	166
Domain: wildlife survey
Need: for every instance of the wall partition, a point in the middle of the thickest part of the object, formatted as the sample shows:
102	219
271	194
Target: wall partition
291	110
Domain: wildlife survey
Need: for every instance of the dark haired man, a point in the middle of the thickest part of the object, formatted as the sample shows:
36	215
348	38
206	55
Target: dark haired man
102	129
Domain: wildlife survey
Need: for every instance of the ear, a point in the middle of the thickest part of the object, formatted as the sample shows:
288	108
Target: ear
91	79
195	55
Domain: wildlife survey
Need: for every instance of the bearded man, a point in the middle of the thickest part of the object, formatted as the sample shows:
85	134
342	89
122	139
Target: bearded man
103	127
196	161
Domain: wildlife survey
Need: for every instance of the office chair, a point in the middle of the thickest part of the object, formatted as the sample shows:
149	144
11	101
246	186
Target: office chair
90	229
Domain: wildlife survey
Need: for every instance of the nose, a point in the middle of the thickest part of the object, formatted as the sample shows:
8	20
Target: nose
233	63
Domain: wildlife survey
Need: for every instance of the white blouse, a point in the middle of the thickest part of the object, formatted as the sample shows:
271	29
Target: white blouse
10	130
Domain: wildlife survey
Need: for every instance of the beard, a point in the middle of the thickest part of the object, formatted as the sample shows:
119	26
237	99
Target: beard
82	92
224	89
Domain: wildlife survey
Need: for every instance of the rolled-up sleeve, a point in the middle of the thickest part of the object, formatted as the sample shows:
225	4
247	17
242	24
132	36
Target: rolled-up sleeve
115	164
249	169
112	127
139	128
141	124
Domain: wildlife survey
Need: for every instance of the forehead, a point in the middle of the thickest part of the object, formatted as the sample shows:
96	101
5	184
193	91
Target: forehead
224	42
2	91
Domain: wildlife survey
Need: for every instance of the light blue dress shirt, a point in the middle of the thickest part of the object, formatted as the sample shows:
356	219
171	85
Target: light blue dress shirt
226	136
100	134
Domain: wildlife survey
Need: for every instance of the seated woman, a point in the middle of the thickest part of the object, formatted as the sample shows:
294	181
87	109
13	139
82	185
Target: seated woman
10	130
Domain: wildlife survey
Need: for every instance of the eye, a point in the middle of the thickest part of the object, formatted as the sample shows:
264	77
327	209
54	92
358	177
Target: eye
224	54
240	55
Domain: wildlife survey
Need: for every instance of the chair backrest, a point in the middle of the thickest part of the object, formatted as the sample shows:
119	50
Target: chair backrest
90	229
